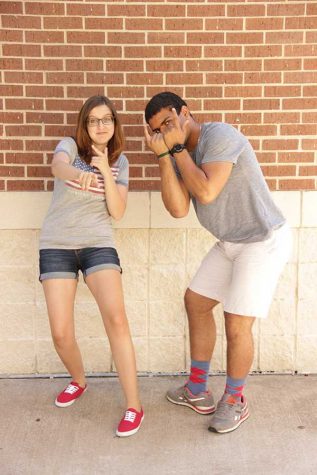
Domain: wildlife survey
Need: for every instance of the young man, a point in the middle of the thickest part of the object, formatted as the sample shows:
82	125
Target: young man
214	165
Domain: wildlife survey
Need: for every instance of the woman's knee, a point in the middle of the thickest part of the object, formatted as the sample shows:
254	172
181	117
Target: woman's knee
63	338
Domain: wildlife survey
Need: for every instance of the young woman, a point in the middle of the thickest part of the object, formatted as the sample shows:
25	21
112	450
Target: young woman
91	187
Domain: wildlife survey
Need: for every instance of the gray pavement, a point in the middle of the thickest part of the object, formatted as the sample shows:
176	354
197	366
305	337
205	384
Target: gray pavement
280	437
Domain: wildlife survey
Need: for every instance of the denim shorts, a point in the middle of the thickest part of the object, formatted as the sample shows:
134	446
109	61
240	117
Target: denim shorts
66	263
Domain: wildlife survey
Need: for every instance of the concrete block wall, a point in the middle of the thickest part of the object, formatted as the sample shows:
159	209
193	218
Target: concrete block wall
159	255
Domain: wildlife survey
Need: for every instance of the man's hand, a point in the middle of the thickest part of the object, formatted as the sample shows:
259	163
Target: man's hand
175	133
155	142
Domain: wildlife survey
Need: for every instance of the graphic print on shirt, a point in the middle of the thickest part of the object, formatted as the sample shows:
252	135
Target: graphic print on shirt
83	166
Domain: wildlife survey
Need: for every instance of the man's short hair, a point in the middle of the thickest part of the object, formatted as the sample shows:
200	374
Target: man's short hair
162	100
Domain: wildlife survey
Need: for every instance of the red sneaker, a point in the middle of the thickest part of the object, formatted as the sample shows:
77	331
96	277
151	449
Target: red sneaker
69	395
130	423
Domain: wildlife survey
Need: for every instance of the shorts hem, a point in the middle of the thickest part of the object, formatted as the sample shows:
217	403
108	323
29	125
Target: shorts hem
99	267
58	275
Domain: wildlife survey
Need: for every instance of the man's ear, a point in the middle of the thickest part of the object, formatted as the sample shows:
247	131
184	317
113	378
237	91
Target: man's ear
185	112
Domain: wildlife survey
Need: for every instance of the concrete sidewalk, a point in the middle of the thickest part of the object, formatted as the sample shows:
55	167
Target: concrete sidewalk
280	437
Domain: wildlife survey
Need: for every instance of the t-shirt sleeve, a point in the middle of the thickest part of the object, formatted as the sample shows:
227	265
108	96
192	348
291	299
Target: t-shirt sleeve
69	146
122	165
223	143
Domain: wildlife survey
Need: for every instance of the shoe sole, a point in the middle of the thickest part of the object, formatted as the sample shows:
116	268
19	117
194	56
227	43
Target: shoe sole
131	432
206	412
66	404
225	431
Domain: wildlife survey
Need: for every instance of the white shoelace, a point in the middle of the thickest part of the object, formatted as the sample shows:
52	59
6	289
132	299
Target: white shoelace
129	416
71	389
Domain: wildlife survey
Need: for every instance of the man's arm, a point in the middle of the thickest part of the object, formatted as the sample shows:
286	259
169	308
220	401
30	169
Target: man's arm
174	194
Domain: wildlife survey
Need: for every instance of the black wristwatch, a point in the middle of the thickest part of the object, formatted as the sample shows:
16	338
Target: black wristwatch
177	148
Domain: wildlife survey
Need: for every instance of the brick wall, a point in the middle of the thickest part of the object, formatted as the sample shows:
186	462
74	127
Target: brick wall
249	63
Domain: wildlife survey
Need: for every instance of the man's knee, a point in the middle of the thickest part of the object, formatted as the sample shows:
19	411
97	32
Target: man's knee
238	326
196	303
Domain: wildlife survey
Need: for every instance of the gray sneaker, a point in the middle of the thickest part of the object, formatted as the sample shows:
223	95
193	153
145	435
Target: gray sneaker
230	413
203	403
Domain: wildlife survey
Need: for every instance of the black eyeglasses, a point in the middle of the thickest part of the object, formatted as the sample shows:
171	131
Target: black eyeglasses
94	122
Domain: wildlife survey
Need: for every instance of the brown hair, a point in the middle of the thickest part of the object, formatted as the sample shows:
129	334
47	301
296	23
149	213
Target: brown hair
115	144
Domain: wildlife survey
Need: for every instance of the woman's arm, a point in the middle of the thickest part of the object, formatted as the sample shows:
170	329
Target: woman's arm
62	169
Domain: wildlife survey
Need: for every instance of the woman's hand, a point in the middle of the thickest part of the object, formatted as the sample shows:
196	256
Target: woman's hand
155	142
100	160
87	179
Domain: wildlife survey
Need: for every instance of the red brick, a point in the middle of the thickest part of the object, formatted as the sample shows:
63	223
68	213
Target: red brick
44	64
224	24
310	63
184	24
205	38
83	9
260	78
266	157
123	38
166	38
11	35
296	157
309	144
142	185
302	23
44	91
63	51
44	36
281	117
223	51
203	91
282	64
243	118
8	171
282	91
21	22
141	158
144	79
263	51
40	145
224	78
59	130
283	37
243	65
246	10
278	170
300	103
25	104
23	130
136	105
103	24
300	77
187	78
264	24
259	130
244	38
105	78
182	51
296	184
280	144
222	104
46	8
21	50
89	37
65	78
11	117
2	185
142	51
163	65
261	104
10	144
152	90
143	24
63	23
39	172
84	65
49	185
23	77
152	171
25	185
272	184
103	51
126	10
63	105
311	8
308	170
165	11
203	65
24	158
206	10
85	91
309	117
124	65
136	172
10	63
135	145
311	36
11	7
11	90
131	131
299	129
301	50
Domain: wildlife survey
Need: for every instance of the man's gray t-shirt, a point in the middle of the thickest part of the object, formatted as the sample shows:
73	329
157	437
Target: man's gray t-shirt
244	210
77	219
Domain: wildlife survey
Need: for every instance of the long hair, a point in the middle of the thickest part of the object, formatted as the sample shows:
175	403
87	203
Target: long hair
163	100
83	140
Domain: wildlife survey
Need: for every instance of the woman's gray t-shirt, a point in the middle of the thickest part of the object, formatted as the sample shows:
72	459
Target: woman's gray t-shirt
244	211
77	219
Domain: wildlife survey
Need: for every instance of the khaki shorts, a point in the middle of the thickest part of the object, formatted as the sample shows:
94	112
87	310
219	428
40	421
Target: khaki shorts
243	277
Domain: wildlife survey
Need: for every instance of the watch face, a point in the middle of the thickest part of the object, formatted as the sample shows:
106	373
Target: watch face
177	148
